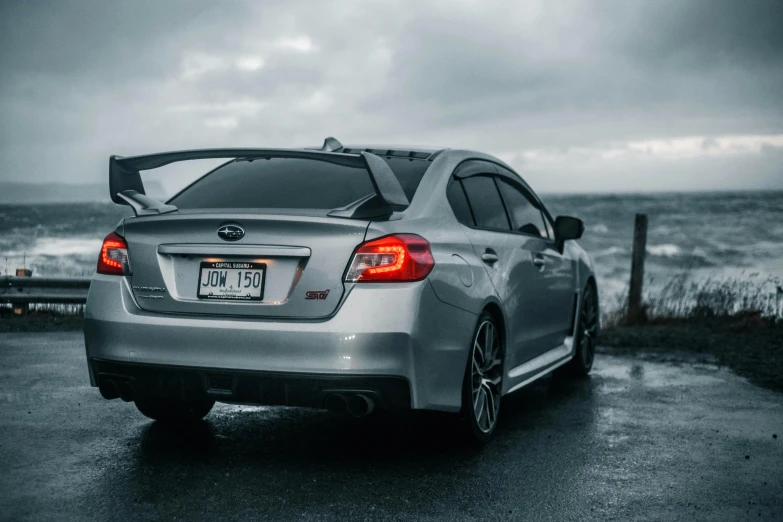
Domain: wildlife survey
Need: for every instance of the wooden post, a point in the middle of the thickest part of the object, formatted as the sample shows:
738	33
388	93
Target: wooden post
636	311
22	308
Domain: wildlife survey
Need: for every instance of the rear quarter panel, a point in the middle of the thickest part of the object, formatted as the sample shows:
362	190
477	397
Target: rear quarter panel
459	277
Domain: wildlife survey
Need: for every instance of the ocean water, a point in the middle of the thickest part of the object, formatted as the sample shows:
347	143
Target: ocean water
704	235
735	236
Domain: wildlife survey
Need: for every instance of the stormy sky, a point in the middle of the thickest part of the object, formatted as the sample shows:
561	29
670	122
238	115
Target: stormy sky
577	96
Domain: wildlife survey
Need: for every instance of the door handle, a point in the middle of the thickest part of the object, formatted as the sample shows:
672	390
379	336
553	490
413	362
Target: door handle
489	256
540	262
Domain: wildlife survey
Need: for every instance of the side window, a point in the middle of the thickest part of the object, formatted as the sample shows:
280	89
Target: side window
459	203
524	211
484	198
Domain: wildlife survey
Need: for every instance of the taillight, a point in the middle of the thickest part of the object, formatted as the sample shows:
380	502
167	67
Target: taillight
114	256
396	258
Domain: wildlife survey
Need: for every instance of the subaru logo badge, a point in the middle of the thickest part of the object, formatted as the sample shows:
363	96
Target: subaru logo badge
230	233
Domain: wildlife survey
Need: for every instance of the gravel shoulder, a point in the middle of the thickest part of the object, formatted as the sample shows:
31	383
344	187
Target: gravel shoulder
40	323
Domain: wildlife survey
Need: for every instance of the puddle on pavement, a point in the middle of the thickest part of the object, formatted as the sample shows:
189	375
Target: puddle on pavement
618	374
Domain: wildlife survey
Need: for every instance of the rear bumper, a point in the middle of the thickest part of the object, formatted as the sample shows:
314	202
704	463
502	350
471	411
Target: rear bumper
380	331
132	381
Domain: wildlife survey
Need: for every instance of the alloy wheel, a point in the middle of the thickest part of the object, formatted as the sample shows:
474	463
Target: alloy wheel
486	376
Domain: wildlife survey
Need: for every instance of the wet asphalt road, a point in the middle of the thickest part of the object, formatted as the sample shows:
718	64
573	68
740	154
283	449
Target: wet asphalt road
639	440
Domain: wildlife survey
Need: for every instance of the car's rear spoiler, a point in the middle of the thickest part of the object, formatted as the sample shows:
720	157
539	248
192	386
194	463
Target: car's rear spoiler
126	187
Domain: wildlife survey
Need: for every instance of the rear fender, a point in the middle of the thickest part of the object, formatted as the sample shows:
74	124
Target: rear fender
459	278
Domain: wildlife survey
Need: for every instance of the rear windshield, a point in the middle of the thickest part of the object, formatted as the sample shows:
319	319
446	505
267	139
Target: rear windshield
291	183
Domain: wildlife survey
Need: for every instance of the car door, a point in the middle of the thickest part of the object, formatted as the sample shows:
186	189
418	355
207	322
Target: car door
554	281
507	260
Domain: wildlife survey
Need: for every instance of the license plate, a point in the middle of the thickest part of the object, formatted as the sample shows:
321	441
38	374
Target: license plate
231	280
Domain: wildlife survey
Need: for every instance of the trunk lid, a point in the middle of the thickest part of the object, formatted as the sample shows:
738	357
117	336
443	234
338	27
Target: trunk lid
304	259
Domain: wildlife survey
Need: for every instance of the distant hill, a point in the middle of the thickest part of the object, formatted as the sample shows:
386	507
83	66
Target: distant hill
23	193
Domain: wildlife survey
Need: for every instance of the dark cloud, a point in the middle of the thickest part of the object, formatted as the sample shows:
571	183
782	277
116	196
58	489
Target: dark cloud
108	41
82	80
629	59
705	34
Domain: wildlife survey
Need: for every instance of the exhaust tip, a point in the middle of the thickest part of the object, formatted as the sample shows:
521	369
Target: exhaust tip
336	404
108	390
116	387
360	405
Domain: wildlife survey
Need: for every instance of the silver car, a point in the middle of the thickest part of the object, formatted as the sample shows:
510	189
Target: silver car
349	278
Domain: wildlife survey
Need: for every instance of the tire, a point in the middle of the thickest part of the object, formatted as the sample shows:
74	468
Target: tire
174	410
585	338
482	385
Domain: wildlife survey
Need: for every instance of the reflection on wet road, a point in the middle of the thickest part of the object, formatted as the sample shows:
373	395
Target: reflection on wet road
637	441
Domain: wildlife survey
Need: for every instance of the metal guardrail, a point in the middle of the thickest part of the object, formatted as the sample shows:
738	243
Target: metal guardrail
55	290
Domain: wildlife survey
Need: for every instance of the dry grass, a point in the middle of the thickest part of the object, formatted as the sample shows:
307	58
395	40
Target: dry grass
684	297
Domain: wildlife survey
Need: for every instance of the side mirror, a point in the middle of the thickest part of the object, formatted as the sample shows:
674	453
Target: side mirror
567	227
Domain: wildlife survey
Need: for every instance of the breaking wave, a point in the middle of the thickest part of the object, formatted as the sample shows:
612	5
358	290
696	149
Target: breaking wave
667	250
611	251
